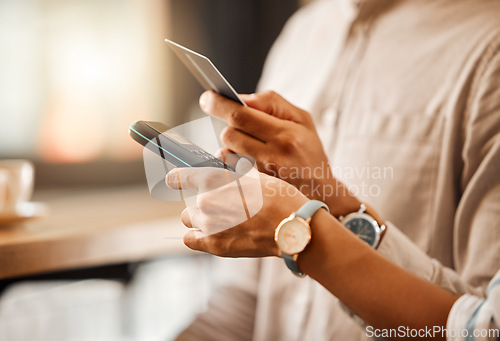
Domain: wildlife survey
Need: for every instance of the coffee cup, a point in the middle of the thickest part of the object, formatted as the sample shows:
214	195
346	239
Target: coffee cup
16	184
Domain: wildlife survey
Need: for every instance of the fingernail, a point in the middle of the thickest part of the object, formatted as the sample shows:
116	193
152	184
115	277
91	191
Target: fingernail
169	180
205	101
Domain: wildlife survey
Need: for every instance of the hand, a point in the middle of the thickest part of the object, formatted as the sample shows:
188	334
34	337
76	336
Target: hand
228	223
283	140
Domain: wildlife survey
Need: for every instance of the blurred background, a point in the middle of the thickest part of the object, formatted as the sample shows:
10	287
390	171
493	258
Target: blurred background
73	75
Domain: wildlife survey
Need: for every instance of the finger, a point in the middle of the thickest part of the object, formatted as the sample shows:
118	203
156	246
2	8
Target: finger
196	240
231	158
186	218
193	218
223	152
227	156
249	120
183	178
241	143
197	178
272	103
191	241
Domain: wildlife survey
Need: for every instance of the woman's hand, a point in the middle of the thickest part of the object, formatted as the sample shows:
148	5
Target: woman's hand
283	141
235	213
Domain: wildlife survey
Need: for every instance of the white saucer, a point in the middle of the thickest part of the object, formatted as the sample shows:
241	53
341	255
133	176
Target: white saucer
24	211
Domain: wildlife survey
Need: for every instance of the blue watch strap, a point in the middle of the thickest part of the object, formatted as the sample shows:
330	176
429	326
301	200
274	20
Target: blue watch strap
305	212
292	265
309	208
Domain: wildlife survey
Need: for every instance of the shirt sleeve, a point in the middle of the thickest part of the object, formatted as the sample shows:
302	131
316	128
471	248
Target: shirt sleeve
474	319
398	248
476	243
230	314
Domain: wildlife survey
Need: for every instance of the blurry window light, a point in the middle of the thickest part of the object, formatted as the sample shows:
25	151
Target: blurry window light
76	73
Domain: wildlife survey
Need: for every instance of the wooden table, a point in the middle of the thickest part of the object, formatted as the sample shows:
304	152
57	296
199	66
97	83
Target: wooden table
91	228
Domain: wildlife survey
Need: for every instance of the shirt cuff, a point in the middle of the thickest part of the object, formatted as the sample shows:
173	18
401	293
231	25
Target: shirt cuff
459	315
398	248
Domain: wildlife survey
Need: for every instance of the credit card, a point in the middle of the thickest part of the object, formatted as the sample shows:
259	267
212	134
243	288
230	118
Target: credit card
205	72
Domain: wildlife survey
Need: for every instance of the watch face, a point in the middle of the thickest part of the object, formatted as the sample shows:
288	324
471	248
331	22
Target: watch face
293	236
364	229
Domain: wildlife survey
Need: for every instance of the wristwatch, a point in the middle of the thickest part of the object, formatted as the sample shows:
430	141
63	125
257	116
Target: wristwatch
364	226
293	234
